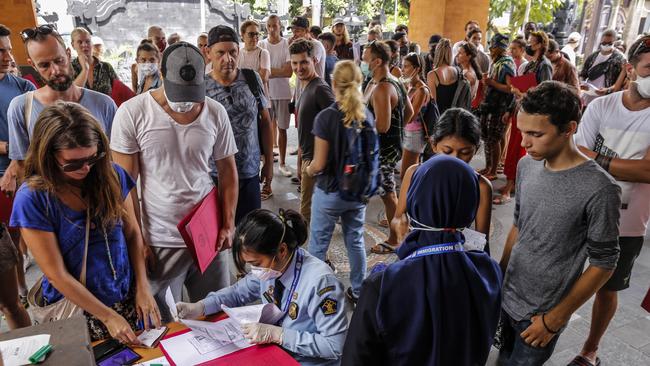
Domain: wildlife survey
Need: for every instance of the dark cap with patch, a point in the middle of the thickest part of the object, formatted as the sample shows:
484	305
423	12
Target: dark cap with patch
500	41
300	22
183	69
222	33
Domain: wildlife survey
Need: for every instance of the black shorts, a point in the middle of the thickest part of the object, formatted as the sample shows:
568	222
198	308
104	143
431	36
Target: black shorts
630	250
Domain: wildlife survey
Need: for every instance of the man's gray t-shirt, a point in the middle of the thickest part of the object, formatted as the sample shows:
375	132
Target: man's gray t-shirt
101	106
563	217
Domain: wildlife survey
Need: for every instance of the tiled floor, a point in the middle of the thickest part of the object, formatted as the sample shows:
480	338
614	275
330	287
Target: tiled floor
627	341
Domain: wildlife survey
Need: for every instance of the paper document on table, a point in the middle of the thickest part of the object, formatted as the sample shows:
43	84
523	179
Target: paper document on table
171	304
206	341
16	352
162	361
261	313
149	338
474	240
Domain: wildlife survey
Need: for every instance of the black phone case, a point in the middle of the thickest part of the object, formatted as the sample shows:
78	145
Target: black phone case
106	349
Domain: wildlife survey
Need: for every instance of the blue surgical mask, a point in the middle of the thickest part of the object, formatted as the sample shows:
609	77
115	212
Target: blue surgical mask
365	69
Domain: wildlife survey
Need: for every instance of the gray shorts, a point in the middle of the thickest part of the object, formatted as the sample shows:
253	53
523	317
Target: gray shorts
176	268
8	252
280	112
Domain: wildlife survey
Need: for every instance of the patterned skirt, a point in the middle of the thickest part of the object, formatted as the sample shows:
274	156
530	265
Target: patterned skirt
126	308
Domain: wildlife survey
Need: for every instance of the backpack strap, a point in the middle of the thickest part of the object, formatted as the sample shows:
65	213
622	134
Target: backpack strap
253	85
29	101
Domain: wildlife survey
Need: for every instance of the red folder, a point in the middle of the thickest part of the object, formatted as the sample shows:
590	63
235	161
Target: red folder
524	82
200	230
6	203
646	302
266	355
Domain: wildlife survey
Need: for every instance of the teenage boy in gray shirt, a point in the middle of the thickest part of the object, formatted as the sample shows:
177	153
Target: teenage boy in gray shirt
567	211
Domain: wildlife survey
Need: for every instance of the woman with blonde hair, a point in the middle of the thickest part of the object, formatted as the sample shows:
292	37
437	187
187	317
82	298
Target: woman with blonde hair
76	216
330	127
443	79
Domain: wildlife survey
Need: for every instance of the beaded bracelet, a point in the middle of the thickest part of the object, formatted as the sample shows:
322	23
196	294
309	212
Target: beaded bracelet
546	326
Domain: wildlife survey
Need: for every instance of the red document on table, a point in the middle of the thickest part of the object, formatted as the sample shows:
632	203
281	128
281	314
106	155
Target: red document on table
200	229
524	82
265	355
646	302
6	203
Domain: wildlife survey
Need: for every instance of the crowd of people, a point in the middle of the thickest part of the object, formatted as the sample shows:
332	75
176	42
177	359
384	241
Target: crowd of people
573	146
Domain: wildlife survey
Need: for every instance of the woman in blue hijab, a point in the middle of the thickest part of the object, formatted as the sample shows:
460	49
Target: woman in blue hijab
439	304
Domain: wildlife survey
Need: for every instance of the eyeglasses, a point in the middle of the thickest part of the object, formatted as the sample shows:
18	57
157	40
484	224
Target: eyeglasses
253	34
78	164
31	33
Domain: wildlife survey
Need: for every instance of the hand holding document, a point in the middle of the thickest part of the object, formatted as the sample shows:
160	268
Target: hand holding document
261	313
474	240
150	337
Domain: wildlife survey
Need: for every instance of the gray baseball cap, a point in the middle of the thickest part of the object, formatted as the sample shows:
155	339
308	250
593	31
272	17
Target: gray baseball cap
183	70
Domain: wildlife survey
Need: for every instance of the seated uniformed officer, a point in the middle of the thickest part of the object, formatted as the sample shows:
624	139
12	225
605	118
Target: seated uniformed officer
314	325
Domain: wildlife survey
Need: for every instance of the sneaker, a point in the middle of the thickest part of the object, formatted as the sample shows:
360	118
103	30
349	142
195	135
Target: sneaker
285	171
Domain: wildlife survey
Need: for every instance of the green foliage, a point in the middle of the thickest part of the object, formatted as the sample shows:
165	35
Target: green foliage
541	11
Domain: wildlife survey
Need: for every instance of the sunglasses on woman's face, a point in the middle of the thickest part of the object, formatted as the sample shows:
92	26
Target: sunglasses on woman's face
79	164
31	33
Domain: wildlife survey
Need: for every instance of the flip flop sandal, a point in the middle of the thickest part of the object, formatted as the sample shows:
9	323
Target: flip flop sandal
500	200
382	220
295	181
266	194
582	361
384	248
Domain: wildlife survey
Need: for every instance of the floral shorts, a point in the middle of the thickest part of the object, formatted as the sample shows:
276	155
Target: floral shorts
8	252
125	308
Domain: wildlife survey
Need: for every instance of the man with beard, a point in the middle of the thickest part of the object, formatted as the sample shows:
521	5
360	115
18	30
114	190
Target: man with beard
236	90
46	52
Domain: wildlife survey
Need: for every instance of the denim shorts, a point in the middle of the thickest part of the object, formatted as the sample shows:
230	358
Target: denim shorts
515	351
413	141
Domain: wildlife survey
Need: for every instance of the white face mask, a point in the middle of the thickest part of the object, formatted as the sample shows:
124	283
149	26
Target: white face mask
365	69
179	107
643	86
147	68
265	274
606	48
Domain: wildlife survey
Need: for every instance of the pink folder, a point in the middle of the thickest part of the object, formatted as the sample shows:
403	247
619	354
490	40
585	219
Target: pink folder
200	229
646	302
6	203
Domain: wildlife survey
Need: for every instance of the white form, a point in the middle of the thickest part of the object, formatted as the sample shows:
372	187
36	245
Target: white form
16	352
206	341
260	313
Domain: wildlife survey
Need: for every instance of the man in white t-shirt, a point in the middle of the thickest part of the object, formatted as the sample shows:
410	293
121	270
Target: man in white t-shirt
615	132
602	68
571	44
168	137
279	89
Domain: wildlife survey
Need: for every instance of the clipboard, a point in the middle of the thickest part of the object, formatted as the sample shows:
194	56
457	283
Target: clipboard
200	229
524	82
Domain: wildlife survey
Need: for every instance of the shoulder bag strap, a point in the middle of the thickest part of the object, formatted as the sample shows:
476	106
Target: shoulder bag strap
82	276
29	100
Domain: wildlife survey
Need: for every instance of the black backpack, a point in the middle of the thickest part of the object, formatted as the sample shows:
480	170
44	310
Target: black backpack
255	88
358	176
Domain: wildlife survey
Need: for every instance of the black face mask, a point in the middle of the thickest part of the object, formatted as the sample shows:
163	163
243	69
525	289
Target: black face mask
530	51
403	50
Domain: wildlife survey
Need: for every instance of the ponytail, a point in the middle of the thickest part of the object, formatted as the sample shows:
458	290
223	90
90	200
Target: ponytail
262	231
347	79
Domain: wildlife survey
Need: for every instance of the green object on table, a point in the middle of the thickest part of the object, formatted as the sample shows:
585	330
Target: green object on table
156	364
39	356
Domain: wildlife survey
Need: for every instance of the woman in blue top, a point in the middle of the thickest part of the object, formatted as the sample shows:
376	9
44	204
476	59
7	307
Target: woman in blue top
69	176
439	304
305	289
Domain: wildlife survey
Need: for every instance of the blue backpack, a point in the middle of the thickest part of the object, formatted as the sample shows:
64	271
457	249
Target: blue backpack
358	175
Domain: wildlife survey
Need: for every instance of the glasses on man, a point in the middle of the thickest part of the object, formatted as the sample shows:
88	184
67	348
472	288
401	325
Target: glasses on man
31	33
79	164
253	34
